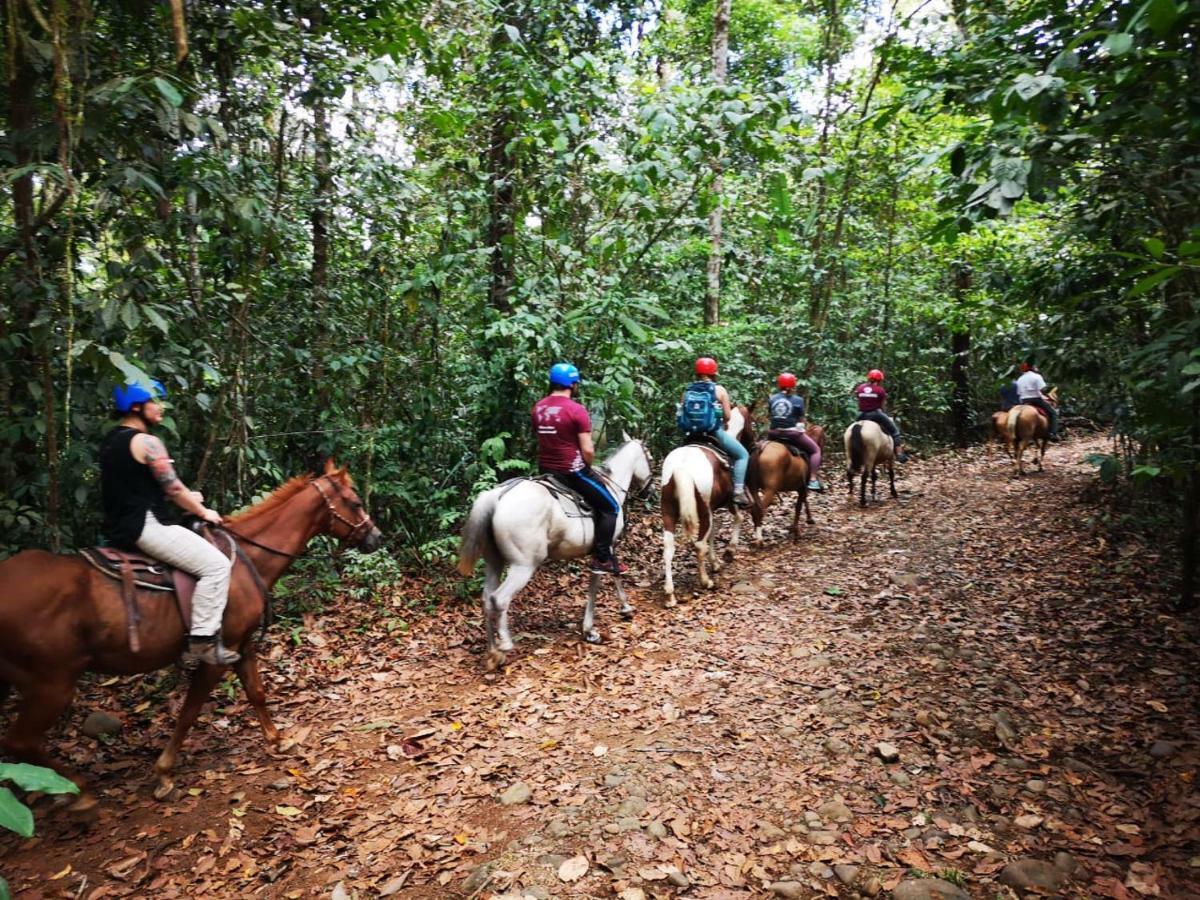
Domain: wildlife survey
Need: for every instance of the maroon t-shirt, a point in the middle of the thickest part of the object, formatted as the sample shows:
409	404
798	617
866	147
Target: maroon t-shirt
558	422
870	396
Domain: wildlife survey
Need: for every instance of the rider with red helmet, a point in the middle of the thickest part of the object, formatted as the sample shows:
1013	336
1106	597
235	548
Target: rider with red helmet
137	477
872	403
565	449
787	424
706	409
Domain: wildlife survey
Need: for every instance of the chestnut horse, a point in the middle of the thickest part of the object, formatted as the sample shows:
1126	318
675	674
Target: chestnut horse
773	470
1027	427
695	484
1000	429
59	617
868	448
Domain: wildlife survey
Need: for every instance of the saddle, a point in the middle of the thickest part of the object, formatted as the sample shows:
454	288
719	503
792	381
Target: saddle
1041	412
565	495
708	442
774	435
136	571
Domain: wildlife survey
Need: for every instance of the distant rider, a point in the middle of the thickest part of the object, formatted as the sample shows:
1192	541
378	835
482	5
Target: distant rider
872	405
565	449
705	409
1031	390
787	424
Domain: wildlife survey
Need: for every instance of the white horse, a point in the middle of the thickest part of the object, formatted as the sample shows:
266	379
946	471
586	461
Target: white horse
522	526
695	484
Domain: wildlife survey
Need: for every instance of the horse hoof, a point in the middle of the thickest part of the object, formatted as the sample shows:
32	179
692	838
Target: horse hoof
85	807
165	789
593	637
493	660
286	745
627	612
670	602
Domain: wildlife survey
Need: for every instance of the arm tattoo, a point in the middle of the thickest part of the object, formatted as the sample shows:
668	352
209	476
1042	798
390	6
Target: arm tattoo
161	466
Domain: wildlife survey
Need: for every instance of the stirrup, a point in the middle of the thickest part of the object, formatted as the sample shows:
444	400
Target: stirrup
212	652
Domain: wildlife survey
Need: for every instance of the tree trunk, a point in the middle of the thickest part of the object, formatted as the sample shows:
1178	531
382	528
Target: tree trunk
720	68
960	347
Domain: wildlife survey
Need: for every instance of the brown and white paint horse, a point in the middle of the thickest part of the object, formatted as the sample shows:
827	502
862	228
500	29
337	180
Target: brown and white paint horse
695	484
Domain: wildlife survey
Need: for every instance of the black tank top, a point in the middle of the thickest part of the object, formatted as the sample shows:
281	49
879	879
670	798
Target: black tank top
127	490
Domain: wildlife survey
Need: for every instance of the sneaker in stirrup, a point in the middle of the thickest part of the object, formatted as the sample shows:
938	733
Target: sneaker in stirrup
741	497
815	486
608	566
210	650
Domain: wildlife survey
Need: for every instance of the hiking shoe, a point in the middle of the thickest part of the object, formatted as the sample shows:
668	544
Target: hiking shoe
209	650
742	498
815	486
902	457
608	567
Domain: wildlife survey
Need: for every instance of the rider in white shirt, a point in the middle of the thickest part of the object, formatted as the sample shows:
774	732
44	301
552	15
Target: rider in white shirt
1031	388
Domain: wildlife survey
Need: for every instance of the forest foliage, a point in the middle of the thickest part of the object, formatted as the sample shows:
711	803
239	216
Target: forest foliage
366	228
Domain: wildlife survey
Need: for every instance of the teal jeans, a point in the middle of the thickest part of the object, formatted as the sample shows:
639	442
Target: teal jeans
741	457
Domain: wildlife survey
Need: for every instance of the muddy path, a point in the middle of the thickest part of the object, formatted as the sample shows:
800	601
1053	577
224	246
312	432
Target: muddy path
968	692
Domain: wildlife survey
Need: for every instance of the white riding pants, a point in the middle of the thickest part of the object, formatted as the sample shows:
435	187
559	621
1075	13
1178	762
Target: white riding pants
186	550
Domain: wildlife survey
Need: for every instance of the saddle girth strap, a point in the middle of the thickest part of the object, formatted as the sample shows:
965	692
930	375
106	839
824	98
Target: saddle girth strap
133	618
268	600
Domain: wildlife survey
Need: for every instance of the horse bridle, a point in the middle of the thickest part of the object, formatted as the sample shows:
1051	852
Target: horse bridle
333	514
645	490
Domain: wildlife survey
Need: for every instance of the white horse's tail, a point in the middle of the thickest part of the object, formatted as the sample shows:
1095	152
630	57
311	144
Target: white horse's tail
685	496
477	532
1014	416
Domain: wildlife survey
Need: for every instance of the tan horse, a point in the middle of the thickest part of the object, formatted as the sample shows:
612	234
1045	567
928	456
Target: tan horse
1027	427
59	617
867	448
695	484
773	470
1000	430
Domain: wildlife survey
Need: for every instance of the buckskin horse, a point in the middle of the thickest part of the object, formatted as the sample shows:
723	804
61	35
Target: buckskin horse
867	448
520	525
61	617
1028	426
695	484
775	469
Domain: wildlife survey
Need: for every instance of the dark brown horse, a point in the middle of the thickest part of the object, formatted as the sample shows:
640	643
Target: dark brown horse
773	470
695	484
60	617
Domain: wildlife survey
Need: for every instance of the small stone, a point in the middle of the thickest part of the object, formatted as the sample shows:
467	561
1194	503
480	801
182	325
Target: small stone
812	818
614	780
872	887
818	869
924	718
558	828
887	752
1028	822
100	723
846	874
631	806
834	747
822	838
657	829
788	731
478	878
835	811
632	893
393	886
517	794
1035	785
627	823
771	832
1159	749
1065	862
678	879
789	890
340	892
900	778
928	889
1032	874
551	860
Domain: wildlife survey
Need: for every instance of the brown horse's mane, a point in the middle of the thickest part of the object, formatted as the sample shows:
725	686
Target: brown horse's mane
273	500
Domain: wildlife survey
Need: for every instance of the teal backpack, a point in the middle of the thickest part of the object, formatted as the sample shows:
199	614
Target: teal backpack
698	414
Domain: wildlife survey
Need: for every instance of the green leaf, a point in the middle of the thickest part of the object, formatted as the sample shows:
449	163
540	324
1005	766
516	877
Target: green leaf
513	34
1152	281
15	815
169	92
834	591
1155	247
634	329
37	778
1162	15
156	320
1118	44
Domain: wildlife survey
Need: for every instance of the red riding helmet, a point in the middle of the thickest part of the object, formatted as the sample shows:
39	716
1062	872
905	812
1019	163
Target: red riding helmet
875	375
786	380
706	365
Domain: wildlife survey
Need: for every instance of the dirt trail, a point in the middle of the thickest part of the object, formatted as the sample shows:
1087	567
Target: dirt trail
727	748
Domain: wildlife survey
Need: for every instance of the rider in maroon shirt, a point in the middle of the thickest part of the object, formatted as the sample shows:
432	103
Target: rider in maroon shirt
872	401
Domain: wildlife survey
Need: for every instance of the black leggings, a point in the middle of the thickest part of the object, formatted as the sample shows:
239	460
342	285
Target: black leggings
604	508
884	421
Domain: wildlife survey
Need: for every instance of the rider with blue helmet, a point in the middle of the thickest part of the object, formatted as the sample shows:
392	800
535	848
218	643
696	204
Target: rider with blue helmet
565	449
137	477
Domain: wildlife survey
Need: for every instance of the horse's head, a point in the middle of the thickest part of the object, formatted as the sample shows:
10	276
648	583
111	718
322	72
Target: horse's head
348	520
744	433
642	482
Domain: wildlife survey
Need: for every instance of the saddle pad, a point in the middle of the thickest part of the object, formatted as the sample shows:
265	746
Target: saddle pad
148	574
709	443
559	491
793	449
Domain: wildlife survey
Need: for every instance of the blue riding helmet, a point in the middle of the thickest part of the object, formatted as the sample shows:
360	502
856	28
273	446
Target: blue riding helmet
125	396
563	375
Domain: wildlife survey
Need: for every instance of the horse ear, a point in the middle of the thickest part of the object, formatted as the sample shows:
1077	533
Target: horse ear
625	438
330	466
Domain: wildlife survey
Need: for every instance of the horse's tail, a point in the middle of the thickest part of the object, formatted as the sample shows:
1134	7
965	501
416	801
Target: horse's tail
477	531
857	447
1014	416
685	496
